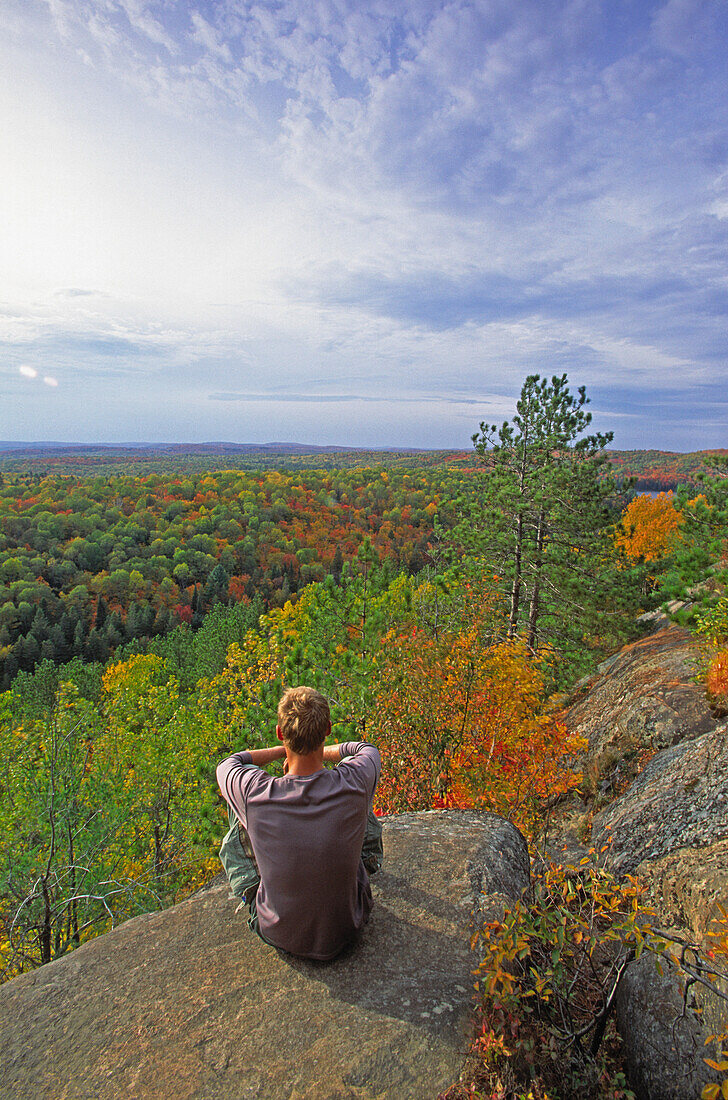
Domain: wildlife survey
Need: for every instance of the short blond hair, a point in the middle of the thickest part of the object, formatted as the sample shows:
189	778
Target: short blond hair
304	719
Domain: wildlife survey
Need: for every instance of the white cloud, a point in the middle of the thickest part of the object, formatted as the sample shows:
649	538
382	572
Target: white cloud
681	26
422	191
206	35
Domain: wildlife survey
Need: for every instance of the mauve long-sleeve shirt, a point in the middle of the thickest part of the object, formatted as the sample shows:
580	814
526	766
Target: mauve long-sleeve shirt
307	833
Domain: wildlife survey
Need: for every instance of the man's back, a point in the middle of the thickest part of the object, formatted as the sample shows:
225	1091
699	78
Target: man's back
307	833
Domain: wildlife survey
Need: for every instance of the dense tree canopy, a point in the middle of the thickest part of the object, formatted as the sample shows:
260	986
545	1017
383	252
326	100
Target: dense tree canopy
88	564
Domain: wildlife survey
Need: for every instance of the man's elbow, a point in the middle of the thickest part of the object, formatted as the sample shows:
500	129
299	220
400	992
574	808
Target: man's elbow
221	773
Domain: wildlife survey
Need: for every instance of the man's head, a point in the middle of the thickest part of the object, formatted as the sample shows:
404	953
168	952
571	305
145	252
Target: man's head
304	721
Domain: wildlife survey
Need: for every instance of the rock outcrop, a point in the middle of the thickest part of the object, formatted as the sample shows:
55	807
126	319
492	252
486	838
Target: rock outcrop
671	829
668	824
188	1003
642	698
687	885
678	802
663	1044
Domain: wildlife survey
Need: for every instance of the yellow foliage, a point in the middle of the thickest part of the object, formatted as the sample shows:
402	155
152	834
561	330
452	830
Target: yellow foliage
542	984
514	755
650	527
134	674
237	697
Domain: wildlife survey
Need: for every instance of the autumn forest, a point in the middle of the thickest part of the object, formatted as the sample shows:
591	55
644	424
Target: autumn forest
445	603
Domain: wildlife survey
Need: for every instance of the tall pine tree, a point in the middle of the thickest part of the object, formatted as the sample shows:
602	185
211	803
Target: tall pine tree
539	519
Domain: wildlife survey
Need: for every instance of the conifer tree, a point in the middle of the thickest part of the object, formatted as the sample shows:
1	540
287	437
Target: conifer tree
131	623
40	627
113	630
337	564
10	668
102	611
79	638
97	648
57	640
198	611
539	519
216	587
162	621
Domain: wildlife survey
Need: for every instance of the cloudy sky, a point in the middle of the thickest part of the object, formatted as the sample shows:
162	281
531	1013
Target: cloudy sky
361	222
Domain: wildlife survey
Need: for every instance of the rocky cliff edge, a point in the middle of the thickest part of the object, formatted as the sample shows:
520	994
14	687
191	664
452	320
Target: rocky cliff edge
657	766
188	1003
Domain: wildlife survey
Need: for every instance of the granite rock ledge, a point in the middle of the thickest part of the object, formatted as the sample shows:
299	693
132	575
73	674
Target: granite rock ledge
188	1003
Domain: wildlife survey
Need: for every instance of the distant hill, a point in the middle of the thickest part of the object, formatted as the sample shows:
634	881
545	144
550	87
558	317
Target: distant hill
214	448
653	471
660	471
137	459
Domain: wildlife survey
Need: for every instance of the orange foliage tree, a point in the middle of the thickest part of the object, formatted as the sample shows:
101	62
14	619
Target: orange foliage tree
717	678
650	527
461	721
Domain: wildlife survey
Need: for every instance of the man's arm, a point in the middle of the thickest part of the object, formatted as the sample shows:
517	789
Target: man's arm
235	773
259	757
334	754
245	759
359	752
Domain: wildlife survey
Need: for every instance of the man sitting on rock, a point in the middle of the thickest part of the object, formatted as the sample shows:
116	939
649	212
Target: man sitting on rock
299	846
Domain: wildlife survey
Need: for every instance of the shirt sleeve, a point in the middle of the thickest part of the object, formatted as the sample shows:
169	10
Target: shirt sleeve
360	755
234	776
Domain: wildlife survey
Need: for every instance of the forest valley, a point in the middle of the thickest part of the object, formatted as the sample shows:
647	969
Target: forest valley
148	624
